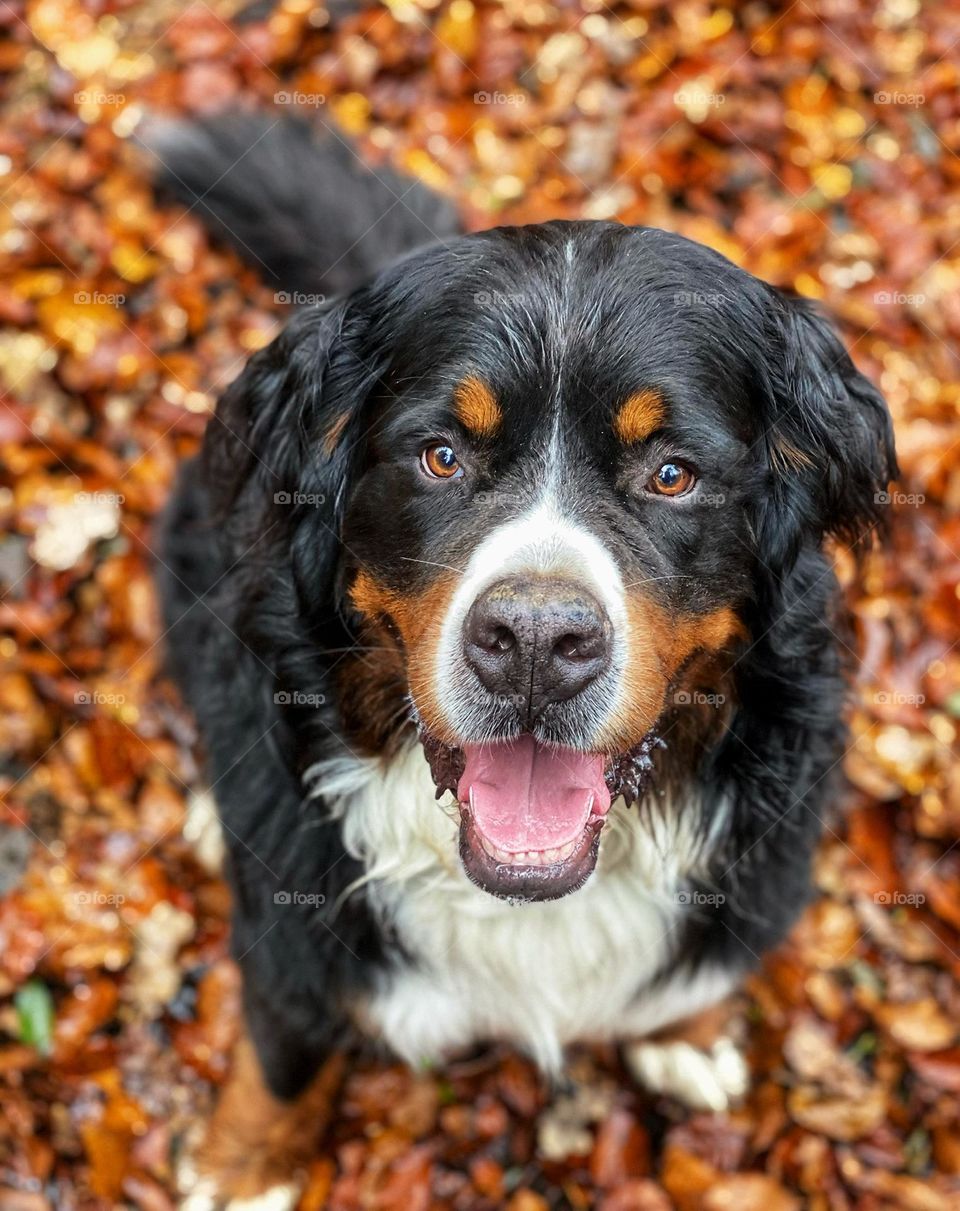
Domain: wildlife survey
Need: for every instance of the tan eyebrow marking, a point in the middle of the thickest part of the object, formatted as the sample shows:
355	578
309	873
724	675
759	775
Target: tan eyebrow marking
640	416
476	408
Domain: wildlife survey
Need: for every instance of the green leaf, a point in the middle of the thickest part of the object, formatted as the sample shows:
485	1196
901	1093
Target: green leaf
445	1093
34	1006
865	1044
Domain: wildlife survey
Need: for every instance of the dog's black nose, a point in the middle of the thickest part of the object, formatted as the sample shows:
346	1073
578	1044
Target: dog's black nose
537	640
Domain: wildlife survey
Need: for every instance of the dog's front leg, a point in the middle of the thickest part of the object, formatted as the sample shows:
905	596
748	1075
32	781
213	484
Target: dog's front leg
285	1069
257	1145
284	1074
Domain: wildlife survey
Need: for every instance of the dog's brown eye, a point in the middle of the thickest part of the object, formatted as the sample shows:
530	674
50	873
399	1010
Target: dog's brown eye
672	479
440	462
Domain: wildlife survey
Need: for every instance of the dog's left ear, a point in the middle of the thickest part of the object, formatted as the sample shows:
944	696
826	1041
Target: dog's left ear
827	434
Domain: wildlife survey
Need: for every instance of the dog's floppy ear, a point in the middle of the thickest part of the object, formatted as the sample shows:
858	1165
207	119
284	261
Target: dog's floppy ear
827	435
286	434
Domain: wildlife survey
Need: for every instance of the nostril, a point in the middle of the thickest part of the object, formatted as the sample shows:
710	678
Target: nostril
574	647
577	646
499	639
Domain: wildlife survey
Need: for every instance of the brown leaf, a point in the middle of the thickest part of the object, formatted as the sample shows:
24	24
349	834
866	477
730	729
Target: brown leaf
835	1116
918	1026
749	1192
635	1195
938	1068
811	1051
621	1150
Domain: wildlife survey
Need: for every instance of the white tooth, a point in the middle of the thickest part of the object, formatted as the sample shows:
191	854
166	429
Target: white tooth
529	857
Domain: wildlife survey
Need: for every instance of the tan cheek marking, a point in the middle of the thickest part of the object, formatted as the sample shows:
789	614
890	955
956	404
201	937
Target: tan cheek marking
334	433
476	409
641	415
419	619
658	645
373	691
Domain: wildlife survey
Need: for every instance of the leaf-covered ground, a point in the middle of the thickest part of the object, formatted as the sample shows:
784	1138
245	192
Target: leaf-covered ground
813	142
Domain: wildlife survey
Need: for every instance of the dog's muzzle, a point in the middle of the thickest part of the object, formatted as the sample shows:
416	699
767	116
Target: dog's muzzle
536	641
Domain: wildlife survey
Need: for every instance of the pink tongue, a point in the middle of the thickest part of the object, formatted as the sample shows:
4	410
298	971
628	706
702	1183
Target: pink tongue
526	796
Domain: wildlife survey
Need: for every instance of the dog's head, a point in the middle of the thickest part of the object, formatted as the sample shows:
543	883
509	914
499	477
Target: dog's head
538	475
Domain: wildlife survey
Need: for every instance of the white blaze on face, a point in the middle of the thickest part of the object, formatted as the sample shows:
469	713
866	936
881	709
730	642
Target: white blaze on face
542	542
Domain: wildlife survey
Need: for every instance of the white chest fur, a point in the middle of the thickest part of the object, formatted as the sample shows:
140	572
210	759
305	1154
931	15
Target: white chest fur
538	975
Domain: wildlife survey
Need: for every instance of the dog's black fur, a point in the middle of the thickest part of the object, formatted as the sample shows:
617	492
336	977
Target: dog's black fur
255	591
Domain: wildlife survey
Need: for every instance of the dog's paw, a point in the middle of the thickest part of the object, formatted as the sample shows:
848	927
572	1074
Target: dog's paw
278	1198
203	1194
709	1079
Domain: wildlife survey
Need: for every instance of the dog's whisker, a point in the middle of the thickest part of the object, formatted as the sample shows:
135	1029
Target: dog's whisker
430	563
650	579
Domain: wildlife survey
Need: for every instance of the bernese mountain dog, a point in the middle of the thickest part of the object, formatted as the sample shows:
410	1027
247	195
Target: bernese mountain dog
499	593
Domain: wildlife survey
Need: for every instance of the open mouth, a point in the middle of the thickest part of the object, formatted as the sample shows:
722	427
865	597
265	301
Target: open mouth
531	814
